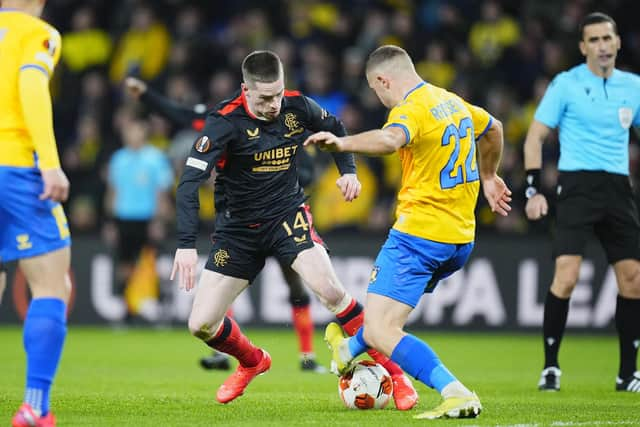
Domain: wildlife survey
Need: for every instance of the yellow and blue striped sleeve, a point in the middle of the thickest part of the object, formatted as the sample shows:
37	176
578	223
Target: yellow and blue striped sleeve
404	117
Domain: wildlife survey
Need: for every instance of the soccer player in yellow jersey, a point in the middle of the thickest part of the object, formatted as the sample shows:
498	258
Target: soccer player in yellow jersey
33	227
436	134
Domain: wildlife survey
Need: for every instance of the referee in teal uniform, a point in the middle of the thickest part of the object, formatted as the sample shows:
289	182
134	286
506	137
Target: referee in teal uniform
593	105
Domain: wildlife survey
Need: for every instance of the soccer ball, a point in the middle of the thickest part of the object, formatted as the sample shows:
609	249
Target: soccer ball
367	385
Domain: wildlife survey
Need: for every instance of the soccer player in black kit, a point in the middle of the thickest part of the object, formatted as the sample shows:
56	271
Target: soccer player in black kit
194	117
254	139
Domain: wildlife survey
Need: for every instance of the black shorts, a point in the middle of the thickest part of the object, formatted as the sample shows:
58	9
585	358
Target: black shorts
240	250
597	203
132	237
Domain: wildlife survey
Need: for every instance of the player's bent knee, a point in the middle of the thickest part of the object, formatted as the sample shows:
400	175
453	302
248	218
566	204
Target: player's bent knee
629	287
628	276
47	274
563	287
564	281
202	329
328	293
333	300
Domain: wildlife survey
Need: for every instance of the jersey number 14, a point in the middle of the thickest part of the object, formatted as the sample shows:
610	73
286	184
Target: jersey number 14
450	175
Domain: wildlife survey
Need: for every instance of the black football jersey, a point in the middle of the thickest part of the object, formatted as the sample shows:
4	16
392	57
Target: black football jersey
258	160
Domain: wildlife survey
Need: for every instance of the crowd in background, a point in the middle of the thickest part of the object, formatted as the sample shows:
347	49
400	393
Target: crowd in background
497	54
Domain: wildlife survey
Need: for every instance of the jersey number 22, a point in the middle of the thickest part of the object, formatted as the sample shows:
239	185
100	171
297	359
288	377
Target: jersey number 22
450	176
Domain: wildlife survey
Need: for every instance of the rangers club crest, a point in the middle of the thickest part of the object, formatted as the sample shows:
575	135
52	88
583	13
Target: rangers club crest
221	257
292	123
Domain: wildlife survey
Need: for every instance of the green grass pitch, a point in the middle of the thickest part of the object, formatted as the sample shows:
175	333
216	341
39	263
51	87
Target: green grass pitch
151	378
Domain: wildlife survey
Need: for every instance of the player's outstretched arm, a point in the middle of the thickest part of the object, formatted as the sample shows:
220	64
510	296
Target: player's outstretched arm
537	205
495	190
375	142
162	105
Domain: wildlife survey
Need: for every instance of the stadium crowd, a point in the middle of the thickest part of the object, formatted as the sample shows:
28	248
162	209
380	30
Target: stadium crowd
498	54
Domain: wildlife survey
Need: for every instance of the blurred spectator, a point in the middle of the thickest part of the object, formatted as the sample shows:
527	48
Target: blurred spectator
492	34
318	85
95	99
80	161
401	32
435	67
352	81
221	84
143	49
374	28
85	45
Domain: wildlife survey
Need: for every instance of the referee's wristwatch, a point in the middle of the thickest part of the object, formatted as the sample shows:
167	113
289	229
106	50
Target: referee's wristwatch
533	182
530	192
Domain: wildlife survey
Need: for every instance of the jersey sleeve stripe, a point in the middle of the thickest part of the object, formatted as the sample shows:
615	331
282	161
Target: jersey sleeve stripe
485	129
36	66
404	128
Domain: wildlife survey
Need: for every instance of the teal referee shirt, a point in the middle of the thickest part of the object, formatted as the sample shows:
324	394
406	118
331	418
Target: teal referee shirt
593	115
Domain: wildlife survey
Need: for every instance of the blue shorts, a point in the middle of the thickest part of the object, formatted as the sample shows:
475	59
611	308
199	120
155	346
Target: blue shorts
409	266
28	226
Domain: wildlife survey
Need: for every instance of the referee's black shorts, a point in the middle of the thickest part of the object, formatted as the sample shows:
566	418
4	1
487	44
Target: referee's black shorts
133	235
600	203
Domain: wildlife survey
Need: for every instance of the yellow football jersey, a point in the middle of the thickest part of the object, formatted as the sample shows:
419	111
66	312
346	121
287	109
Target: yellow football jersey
440	179
25	42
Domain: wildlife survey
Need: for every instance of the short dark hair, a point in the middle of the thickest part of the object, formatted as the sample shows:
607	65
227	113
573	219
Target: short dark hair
383	54
261	66
596	18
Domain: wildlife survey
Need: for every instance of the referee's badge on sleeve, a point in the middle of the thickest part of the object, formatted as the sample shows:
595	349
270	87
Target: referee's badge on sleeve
625	115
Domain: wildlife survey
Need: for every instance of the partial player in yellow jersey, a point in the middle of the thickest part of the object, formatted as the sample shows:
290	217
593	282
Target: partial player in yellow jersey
437	135
33	227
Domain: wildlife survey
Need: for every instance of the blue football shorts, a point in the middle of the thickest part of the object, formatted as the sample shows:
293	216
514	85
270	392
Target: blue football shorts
28	226
408	266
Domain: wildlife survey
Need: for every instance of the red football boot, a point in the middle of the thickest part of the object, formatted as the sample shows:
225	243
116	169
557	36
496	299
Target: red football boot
25	417
404	395
235	385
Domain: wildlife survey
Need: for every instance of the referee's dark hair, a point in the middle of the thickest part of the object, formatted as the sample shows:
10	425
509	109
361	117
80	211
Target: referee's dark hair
596	18
261	66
